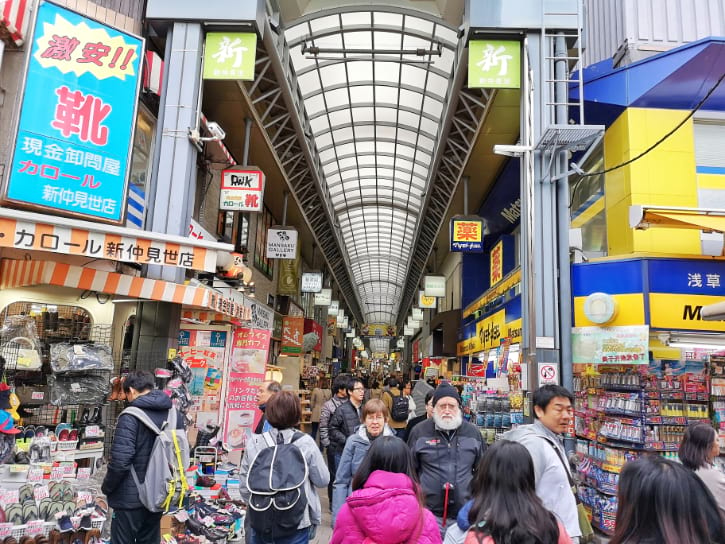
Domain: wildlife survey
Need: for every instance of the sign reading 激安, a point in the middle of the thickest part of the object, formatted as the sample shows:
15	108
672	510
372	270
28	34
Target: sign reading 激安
494	64
230	55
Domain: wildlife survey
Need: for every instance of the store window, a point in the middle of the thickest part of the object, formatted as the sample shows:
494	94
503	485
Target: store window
710	162
261	262
587	208
234	228
143	145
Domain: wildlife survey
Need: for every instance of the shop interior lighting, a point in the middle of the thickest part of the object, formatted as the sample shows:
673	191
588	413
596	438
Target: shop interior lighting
696	341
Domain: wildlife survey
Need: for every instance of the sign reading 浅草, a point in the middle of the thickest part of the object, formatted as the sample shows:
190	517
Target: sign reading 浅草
230	55
282	243
494	64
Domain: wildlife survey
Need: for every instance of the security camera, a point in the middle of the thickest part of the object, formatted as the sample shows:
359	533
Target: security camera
216	131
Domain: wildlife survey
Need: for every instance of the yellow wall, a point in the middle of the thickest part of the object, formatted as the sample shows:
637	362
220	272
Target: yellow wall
663	177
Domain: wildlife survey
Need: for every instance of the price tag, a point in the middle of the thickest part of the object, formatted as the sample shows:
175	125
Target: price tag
92	431
35	475
35	527
6	530
84	474
76	387
12	496
41	492
57	473
78	349
37	395
85	497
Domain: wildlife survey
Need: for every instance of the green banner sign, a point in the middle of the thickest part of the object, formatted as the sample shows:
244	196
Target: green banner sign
494	64
230	55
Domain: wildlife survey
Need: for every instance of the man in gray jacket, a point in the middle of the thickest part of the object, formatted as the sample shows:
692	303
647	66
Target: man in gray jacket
554	410
339	395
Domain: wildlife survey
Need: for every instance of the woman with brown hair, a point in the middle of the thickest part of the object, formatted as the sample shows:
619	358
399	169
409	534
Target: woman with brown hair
320	395
698	450
374	419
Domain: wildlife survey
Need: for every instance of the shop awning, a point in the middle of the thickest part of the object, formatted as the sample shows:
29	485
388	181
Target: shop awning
20	229
14	19
21	273
644	217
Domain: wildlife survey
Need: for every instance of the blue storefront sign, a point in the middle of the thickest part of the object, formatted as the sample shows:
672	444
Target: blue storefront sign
77	117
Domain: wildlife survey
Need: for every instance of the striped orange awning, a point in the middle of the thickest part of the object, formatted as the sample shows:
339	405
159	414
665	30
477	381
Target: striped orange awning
20	273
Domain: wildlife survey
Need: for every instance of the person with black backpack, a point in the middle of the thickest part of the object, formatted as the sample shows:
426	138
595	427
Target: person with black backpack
279	474
397	404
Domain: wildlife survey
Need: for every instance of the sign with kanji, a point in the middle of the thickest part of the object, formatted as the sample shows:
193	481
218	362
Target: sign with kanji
494	64
230	55
311	282
292	333
426	302
324	297
72	148
242	190
434	286
610	345
282	243
333	308
466	234
496	263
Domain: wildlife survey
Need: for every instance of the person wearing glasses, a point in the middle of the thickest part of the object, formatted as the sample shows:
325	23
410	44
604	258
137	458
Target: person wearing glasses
446	450
554	411
346	419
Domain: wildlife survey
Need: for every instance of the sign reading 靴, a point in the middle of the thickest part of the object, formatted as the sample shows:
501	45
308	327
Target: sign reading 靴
242	190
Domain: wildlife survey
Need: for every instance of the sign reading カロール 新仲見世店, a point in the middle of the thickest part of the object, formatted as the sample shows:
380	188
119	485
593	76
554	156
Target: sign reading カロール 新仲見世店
71	153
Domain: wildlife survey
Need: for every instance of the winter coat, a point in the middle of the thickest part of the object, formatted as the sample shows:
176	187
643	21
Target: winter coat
456	533
132	443
328	409
318	474
356	447
552	478
343	423
472	539
317	399
386	511
441	458
388	400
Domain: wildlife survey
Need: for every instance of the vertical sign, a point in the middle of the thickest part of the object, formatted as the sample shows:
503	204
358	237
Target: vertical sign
74	139
292	333
230	55
497	263
246	373
494	64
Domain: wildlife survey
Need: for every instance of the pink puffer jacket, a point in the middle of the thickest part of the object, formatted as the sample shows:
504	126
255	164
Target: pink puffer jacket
385	511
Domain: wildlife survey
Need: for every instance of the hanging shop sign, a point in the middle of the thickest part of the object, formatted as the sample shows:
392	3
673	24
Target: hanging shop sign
261	316
496	260
313	336
610	345
511	281
408	331
245	374
378	329
413	323
277	326
489	331
417	314
333	308
242	189
350	333
281	243
466	234
434	286
494	64
230	55
311	282
288	279
74	139
331	326
292	334
425	301
401	343
323	298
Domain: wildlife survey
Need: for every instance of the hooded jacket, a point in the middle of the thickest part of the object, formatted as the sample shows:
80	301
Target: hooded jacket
441	458
552	480
318	475
132	443
356	447
386	511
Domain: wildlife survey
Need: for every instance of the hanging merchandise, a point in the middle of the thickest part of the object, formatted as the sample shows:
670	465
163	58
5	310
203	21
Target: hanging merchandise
67	357
19	343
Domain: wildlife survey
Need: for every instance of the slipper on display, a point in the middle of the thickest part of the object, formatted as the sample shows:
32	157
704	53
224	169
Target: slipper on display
25	493
73	436
14	514
30	512
54	509
70	507
43	508
69	494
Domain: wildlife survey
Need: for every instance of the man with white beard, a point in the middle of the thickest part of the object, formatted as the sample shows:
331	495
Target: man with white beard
446	451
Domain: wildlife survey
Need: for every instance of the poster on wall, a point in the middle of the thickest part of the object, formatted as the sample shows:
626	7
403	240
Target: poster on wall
204	351
245	373
610	345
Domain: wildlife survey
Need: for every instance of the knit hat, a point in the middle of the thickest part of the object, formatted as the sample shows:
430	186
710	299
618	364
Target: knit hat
445	390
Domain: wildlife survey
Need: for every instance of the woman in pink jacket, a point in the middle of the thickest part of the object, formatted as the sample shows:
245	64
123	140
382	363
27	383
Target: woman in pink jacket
386	506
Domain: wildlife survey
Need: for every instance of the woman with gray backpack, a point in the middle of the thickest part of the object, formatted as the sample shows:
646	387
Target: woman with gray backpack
279	474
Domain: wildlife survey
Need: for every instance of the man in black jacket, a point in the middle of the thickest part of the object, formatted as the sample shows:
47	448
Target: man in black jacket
446	450
132	443
346	418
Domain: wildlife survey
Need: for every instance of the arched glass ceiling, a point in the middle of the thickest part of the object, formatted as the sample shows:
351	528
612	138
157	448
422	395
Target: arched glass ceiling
375	119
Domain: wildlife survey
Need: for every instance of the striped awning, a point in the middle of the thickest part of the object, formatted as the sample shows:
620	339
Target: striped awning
26	273
153	72
14	20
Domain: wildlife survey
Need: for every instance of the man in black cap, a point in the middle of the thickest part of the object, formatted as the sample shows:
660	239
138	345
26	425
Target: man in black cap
446	451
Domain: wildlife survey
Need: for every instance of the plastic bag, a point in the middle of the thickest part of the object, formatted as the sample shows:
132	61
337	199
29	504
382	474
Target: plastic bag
20	346
75	388
66	357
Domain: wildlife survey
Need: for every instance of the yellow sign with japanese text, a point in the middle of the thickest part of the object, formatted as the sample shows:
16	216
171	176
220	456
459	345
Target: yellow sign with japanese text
466	234
496	263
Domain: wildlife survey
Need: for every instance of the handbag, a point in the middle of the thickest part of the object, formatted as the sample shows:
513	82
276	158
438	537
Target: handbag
24	357
585	525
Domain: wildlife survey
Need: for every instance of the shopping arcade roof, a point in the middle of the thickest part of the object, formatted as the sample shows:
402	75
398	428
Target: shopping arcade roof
375	115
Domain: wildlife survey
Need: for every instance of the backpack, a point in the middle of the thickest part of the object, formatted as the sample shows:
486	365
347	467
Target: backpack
276	479
399	409
165	485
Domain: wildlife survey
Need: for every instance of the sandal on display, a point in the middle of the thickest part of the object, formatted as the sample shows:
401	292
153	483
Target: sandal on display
43	507
30	511
25	493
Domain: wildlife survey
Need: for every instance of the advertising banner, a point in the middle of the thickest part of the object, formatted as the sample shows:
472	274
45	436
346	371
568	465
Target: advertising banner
288	279
292	333
378	329
230	55
494	64
72	148
203	351
245	374
242	190
610	345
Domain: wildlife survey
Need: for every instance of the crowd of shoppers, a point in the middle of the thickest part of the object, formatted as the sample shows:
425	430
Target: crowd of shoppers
431	479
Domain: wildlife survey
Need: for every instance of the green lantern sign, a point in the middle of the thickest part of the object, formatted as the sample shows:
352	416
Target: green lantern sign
494	64
230	55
